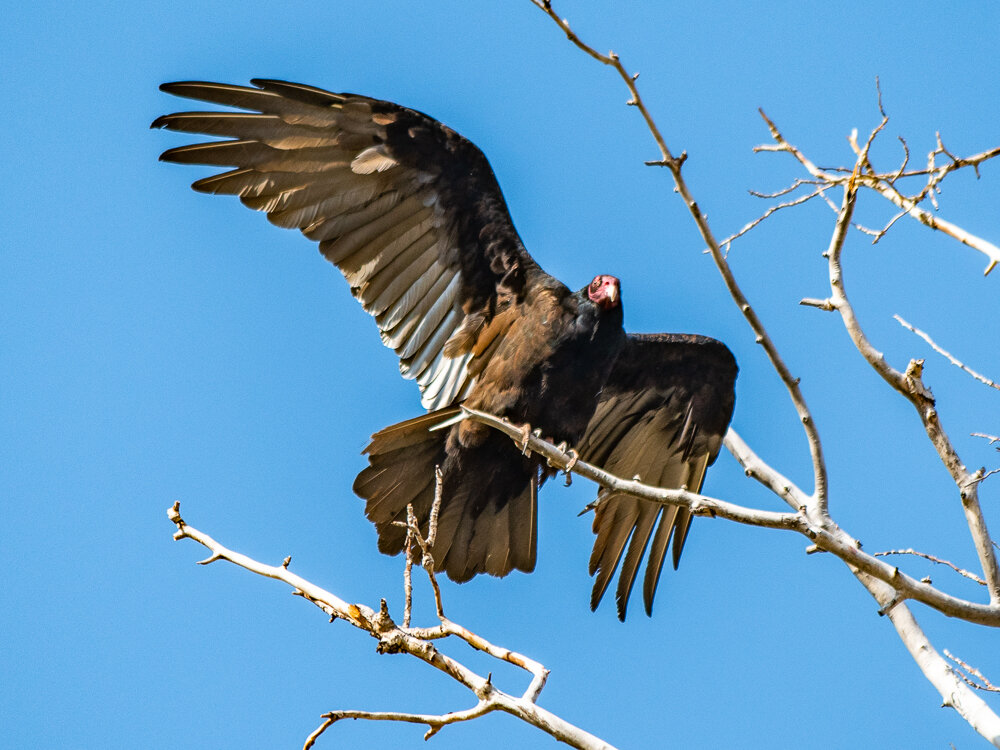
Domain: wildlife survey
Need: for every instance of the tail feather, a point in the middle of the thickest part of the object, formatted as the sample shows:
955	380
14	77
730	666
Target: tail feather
488	512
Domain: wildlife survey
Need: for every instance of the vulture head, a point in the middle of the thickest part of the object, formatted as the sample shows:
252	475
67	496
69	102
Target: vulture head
605	291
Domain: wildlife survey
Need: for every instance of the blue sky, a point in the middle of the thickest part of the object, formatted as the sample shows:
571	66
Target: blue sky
160	345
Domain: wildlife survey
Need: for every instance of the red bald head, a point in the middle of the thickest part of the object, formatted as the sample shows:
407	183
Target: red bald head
605	291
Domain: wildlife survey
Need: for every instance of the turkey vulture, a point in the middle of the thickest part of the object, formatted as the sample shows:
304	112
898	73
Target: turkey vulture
412	215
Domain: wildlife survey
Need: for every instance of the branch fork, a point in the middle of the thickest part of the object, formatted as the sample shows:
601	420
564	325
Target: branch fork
417	642
889	586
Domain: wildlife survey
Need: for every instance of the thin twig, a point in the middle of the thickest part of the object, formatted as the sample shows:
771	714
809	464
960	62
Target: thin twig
981	378
980	683
882	232
416	642
799	182
885	185
788	204
980	474
960	571
434	722
432	523
411	530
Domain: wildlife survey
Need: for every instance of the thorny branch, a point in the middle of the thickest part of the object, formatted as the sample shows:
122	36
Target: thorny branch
417	642
890	588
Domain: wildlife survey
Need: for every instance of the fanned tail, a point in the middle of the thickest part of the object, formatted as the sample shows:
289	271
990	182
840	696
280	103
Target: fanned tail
488	513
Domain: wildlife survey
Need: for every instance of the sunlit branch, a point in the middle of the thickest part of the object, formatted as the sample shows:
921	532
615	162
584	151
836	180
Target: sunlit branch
885	185
980	682
698	505
824	535
928	219
909	384
755	468
953	690
434	722
951	358
418	643
818	501
933	559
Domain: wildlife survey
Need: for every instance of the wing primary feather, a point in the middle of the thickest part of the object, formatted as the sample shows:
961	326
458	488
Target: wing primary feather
397	310
657	551
682	526
401	336
300	92
448	386
633	557
241	97
612	534
443	385
683	523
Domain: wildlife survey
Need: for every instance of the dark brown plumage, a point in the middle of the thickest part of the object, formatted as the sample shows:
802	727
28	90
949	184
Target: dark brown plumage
411	214
661	416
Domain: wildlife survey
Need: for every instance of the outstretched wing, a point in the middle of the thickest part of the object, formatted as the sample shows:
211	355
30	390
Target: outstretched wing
662	416
406	208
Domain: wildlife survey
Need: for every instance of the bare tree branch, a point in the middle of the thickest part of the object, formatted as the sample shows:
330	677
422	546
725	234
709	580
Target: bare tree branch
818	501
980	683
938	560
826	535
909	384
954	692
418	643
889	587
699	505
943	353
885	185
435	722
755	468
